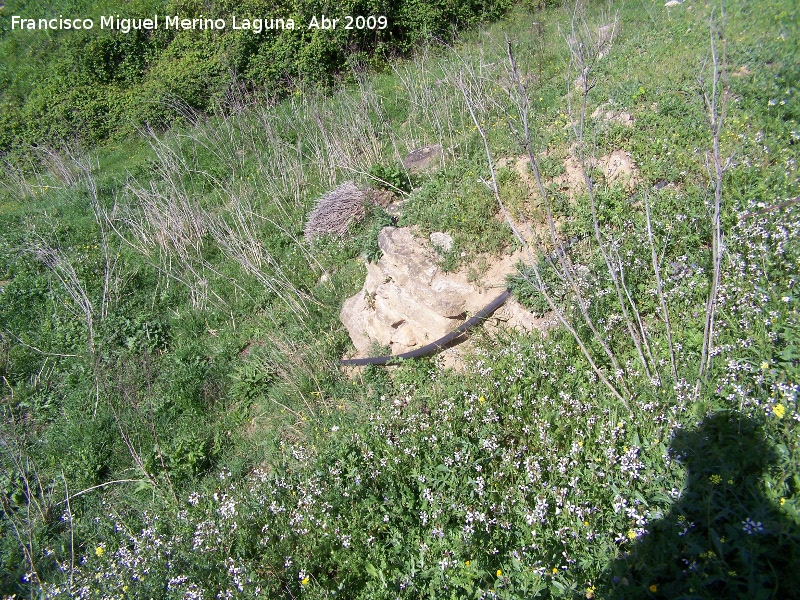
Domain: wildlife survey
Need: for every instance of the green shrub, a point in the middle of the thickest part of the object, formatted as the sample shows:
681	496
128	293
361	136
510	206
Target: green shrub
76	83
393	178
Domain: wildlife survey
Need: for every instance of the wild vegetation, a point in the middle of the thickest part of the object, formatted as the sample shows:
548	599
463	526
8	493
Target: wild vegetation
174	420
58	86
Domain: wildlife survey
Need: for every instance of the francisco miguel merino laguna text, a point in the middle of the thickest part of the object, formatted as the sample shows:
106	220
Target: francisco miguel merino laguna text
256	25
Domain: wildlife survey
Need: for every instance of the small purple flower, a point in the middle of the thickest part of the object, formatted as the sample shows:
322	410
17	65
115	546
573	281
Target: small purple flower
750	527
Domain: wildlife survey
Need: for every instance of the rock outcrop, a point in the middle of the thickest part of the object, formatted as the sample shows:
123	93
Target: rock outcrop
408	302
423	160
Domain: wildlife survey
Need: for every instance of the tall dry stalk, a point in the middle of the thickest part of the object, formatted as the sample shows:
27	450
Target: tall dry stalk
125	394
61	267
540	284
84	167
165	228
586	47
429	89
660	288
342	134
565	270
164	223
716	103
170	224
236	235
41	168
28	505
283	170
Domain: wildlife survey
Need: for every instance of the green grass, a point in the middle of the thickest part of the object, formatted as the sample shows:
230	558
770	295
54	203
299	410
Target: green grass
209	443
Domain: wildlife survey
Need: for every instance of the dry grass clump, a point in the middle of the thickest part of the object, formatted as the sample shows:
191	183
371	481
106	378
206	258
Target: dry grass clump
335	211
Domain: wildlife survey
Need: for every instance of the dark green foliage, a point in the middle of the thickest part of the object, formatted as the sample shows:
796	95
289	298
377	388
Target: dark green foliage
86	448
56	86
525	287
252	377
393	178
457	202
377	219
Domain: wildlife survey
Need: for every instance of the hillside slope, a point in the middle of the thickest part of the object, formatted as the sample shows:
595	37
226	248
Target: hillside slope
175	423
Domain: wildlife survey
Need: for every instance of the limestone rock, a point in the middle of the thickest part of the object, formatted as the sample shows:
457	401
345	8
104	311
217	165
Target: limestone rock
354	313
742	71
618	167
605	37
512	315
442	241
408	302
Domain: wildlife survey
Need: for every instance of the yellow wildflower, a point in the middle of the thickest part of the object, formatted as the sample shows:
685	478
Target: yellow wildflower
653	588
779	410
631	534
304	581
499	573
99	551
555	570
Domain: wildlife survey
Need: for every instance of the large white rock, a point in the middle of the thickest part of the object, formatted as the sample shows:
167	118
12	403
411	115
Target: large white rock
407	302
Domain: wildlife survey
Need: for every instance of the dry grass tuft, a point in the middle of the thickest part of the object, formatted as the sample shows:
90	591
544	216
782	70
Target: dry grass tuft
336	210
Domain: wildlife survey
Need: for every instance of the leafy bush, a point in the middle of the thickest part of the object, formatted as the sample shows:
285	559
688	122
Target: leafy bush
456	201
102	84
393	178
377	219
